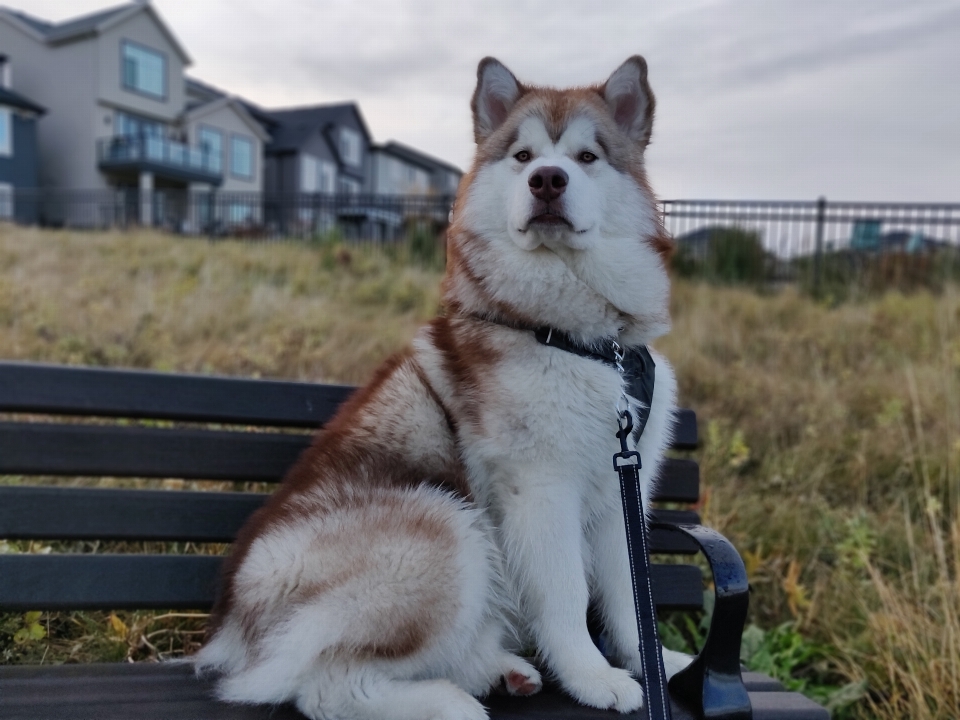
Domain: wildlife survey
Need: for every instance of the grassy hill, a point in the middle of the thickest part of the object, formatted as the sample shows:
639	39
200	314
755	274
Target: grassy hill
831	451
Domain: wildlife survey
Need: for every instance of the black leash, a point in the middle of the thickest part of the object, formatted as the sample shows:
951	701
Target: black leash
638	371
627	463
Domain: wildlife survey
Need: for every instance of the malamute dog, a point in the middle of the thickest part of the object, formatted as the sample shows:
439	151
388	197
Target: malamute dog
463	505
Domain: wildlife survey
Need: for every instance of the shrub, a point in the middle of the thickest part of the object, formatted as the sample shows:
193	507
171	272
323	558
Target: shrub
728	255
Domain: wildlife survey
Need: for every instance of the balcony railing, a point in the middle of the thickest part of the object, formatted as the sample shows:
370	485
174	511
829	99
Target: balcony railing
161	156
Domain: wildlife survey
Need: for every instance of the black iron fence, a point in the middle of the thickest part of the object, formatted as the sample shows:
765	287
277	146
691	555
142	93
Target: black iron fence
816	242
357	217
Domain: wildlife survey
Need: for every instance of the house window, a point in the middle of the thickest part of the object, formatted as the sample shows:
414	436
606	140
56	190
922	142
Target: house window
327	180
211	145
132	126
241	157
144	70
308	174
316	175
350	147
6	132
6	201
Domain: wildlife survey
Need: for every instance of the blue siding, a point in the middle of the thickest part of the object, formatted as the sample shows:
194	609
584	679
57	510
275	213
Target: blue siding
22	168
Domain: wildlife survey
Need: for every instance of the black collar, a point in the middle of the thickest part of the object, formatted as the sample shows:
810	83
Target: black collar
602	350
638	366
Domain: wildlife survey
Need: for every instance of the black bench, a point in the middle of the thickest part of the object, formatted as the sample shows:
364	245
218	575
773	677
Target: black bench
254	449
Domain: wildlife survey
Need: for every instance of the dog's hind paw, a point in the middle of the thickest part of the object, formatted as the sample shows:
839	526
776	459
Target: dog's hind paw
521	678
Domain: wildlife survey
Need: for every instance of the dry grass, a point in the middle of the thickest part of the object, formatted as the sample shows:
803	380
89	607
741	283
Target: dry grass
831	450
832	458
151	301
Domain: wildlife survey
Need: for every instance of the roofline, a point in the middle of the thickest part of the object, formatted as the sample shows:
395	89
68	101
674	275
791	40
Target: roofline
6	14
61	38
202	110
19	101
348	104
427	159
421	163
148	7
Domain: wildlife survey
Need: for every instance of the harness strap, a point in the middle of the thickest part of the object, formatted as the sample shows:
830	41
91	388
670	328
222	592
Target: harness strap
639	374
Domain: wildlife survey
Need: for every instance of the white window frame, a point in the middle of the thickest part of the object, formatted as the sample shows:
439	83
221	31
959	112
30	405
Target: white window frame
6	117
141	53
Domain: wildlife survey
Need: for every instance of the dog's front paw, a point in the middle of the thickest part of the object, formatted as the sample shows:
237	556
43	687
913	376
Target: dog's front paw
607	688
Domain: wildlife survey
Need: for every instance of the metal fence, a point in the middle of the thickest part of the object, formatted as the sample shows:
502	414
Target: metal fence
357	217
817	240
812	241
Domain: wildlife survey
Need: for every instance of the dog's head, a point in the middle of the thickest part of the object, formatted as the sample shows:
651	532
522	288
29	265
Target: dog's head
555	223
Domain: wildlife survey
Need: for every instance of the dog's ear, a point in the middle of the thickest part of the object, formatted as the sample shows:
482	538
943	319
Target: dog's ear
630	99
496	94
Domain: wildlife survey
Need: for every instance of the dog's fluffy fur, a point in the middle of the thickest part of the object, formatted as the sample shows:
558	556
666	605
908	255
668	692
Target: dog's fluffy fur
463	504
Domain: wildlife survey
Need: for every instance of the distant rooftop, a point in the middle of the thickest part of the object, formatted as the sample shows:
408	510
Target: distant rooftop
78	26
93	23
295	124
417	157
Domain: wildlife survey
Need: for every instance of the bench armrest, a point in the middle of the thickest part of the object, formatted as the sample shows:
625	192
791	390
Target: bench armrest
712	684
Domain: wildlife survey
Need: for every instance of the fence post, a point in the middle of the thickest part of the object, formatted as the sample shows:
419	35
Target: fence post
818	252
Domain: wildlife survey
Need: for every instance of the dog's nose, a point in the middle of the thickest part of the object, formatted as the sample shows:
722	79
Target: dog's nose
548	183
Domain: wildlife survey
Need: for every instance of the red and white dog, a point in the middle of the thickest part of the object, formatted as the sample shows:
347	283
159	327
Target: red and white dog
462	506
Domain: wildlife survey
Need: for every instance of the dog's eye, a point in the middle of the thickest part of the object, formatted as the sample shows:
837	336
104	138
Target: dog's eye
587	157
522	156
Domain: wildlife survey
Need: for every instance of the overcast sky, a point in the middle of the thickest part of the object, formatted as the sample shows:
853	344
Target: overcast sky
777	99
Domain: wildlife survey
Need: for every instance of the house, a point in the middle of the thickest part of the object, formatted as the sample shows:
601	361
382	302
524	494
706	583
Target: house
317	166
157	147
398	169
18	148
318	149
119	115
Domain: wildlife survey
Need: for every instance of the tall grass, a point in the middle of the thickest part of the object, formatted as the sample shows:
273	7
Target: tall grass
831	432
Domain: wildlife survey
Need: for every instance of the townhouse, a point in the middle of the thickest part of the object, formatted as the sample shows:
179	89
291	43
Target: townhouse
121	118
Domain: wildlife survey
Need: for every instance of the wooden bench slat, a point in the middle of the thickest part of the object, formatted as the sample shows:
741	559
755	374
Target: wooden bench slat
158	691
114	451
57	513
196	454
685	435
185	582
111	392
65	390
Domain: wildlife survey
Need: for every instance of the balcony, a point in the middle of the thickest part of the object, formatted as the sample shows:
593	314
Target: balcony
162	157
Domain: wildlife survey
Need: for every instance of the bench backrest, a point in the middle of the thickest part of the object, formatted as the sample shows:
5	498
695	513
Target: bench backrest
267	431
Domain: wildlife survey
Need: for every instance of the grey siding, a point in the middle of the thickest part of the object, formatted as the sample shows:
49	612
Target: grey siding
20	169
63	80
225	119
144	31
